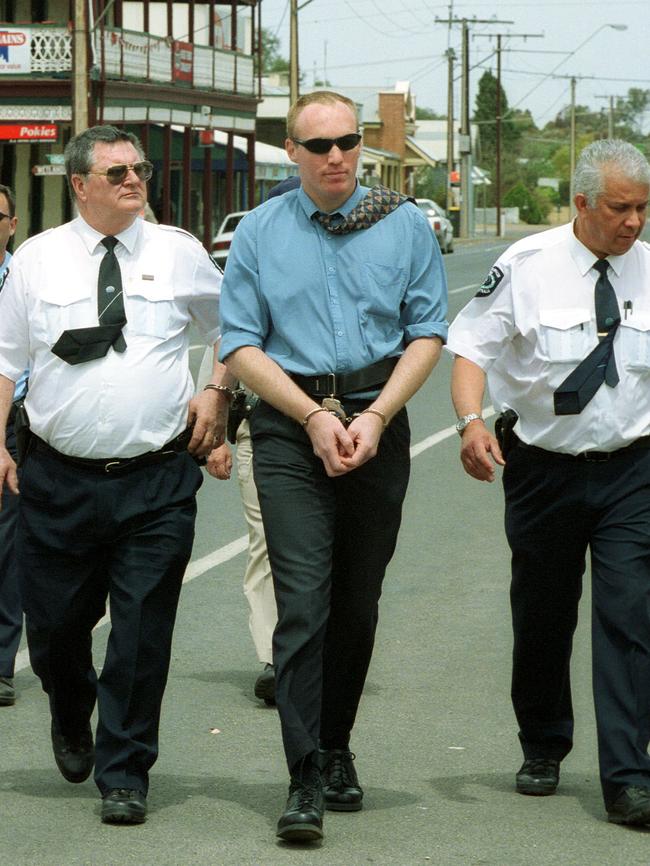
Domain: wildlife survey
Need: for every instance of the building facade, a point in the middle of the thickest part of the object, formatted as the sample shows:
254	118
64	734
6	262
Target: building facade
172	72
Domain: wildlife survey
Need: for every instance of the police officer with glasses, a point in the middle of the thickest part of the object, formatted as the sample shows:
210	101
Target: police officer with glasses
99	310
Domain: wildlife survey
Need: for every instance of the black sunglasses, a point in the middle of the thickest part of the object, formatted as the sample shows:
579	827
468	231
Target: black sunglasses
117	173
324	145
5	216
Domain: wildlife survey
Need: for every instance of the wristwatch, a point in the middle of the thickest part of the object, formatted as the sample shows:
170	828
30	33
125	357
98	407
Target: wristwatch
465	420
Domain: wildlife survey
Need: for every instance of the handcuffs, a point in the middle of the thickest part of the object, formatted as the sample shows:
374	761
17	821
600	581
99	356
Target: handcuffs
335	407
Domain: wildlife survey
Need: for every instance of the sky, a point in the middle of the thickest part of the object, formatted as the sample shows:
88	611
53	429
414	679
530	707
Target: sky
378	42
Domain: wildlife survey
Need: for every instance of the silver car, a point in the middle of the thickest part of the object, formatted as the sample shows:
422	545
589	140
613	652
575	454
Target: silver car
439	222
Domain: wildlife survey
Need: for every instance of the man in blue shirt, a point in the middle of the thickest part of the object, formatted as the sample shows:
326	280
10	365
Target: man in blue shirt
334	295
11	611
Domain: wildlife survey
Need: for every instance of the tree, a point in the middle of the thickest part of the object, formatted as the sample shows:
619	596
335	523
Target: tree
485	115
428	114
272	60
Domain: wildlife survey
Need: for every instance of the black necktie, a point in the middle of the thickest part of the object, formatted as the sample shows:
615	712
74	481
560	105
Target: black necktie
110	301
600	364
78	345
377	203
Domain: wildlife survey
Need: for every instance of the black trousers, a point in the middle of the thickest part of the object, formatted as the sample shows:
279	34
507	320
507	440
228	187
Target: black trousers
556	509
84	536
329	542
11	609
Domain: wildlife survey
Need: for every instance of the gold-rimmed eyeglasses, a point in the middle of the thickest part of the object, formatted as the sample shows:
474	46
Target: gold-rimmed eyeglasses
117	174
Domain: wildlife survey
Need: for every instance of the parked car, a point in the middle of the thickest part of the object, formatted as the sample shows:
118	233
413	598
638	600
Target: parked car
222	239
439	222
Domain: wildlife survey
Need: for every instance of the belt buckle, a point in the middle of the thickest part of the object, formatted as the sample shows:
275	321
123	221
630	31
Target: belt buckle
335	407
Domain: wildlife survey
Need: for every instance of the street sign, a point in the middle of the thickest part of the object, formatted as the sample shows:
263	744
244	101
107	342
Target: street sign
48	169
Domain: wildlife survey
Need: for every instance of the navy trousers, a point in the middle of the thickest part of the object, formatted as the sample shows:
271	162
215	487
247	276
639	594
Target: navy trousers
556	510
84	537
329	542
11	609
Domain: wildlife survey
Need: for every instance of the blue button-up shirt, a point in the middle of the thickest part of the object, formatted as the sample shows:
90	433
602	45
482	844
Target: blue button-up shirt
21	385
316	302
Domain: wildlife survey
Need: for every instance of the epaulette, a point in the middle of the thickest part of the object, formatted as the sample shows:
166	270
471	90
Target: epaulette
28	241
180	231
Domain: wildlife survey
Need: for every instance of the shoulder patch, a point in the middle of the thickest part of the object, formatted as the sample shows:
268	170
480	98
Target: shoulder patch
490	283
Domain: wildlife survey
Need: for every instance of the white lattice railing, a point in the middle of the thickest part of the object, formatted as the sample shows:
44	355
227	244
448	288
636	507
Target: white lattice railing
51	49
126	54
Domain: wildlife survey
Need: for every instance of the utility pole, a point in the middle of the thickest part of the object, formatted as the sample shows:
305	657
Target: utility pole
610	116
572	147
499	118
80	76
465	138
450	123
293	53
294	71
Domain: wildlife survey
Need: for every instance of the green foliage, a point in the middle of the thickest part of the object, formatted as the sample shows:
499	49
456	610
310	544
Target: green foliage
272	60
427	114
534	204
431	183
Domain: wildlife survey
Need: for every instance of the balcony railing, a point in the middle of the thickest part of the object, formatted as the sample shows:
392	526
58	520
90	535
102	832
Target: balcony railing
129	55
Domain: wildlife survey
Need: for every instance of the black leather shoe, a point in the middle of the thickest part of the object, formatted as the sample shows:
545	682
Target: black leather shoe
74	756
124	806
341	788
632	806
302	820
538	777
7	692
265	685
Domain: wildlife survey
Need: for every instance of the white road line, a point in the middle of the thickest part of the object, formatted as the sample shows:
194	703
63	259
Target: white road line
201	566
463	288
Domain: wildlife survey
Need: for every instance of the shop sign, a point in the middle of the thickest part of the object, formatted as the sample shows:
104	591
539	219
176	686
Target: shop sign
15	52
34	132
183	54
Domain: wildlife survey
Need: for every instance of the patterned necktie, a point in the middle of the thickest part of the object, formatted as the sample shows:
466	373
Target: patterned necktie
374	206
600	364
110	300
78	345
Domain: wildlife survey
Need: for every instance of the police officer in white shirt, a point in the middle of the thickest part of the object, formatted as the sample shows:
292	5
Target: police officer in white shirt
109	481
561	331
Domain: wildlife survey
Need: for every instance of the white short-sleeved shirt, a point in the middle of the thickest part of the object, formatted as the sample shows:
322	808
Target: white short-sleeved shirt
534	320
125	403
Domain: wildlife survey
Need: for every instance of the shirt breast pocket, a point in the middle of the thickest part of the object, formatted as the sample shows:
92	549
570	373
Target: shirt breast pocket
634	342
380	309
151	310
59	311
566	335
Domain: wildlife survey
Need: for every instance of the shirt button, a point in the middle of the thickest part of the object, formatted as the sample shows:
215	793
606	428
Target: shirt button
339	333
331	270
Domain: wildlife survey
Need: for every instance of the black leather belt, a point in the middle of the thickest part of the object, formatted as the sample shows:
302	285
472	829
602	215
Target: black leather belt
588	456
338	384
118	464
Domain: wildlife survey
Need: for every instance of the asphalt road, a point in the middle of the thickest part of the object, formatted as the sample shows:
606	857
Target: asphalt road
435	738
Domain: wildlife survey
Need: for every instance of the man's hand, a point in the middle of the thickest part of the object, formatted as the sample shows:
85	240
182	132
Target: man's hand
219	463
208	411
480	451
331	442
365	432
8	475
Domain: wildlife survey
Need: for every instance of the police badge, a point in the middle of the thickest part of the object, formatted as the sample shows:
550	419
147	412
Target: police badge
490	283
